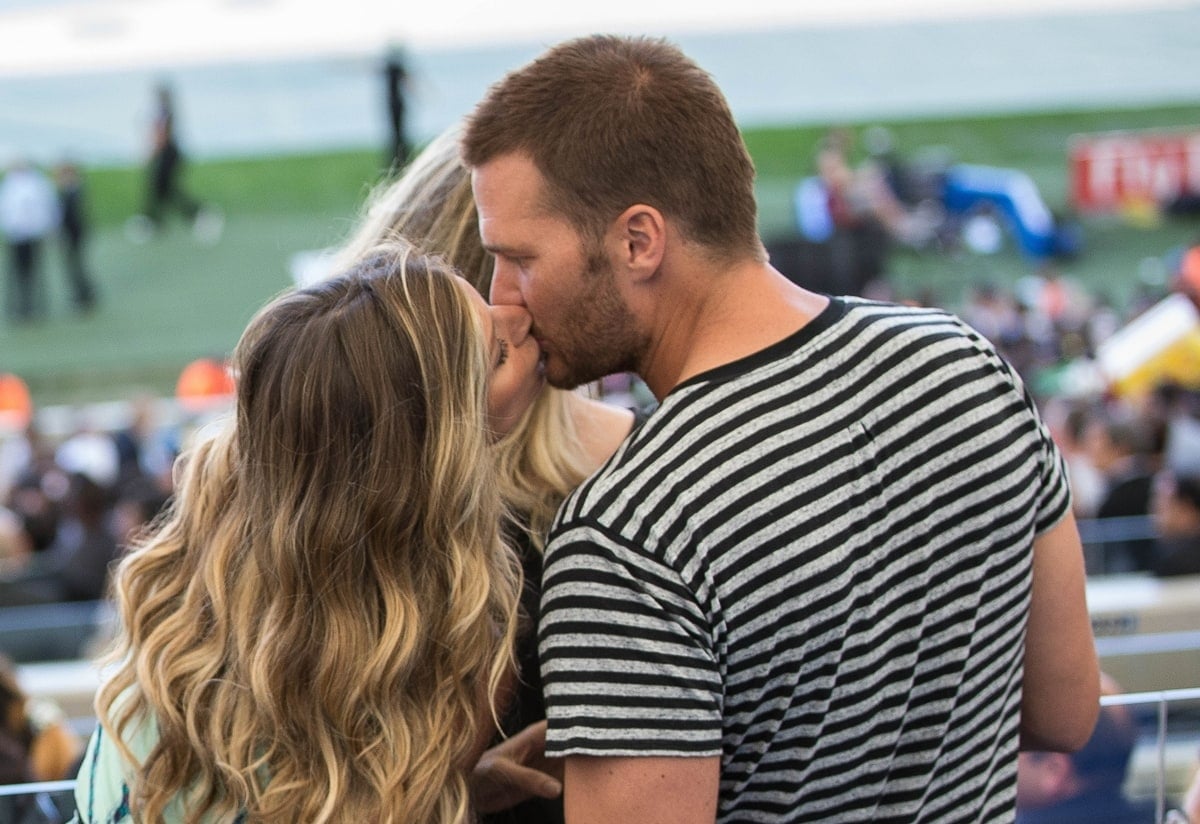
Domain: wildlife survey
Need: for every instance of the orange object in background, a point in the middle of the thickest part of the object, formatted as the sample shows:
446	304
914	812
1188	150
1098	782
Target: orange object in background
1189	274
204	384
16	405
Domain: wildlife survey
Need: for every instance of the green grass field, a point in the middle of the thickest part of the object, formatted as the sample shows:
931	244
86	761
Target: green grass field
174	299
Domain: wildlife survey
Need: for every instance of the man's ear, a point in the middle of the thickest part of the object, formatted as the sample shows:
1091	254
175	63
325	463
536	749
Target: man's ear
641	233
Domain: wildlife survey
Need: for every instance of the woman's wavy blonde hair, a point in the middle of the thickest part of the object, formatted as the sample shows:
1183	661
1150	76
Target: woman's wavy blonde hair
313	624
542	459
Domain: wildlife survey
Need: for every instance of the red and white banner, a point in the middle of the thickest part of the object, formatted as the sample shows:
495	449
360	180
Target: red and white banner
1120	169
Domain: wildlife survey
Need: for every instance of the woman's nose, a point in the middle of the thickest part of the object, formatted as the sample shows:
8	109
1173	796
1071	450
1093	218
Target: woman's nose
512	323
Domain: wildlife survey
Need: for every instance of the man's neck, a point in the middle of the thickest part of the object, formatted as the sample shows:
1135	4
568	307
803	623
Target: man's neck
710	316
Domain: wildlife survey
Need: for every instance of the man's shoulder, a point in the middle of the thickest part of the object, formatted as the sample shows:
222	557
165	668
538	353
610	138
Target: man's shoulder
916	327
627	468
911	316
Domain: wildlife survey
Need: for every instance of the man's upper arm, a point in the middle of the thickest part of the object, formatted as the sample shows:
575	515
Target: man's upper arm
647	790
633	693
1061	693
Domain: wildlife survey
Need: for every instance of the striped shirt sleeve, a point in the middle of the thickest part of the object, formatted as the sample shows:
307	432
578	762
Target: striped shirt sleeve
627	654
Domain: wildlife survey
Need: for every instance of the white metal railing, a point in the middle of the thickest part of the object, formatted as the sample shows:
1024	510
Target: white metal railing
1161	703
38	787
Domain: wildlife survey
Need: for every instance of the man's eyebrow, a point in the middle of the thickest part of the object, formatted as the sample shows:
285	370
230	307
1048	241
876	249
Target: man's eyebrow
504	249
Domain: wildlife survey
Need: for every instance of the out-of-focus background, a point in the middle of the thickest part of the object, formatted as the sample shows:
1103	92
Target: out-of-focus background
281	110
1033	166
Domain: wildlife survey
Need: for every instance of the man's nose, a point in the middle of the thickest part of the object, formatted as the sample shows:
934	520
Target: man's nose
505	290
513	322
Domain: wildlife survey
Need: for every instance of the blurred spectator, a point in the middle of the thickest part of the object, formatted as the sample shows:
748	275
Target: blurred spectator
1176	512
36	744
90	451
1084	787
139	502
28	213
36	500
74	228
164	189
27	808
1102	322
837	174
1068	421
39	728
74	565
868	193
164	186
395	77
1119	447
22	454
16	548
143	450
128	440
14	768
1178	409
79	559
885	161
994	314
856	237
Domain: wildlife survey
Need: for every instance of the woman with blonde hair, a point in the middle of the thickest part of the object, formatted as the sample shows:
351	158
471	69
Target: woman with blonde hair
320	627
552	447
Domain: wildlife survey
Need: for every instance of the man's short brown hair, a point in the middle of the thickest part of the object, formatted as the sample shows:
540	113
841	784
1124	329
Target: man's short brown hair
613	121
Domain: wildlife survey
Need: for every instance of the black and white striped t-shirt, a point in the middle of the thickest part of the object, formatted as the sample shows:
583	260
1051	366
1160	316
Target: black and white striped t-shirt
814	562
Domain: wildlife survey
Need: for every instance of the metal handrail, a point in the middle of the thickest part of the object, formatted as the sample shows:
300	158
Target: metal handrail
1160	699
37	787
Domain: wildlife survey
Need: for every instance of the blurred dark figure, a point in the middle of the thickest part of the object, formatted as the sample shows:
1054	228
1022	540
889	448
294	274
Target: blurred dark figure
39	728
166	165
1119	446
131	441
16	547
35	487
28	214
1084	787
396	82
139	502
74	228
1175	505
39	511
891	167
15	769
85	546
36	744
75	566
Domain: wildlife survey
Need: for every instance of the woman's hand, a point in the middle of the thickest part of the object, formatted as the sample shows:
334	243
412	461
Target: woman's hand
515	770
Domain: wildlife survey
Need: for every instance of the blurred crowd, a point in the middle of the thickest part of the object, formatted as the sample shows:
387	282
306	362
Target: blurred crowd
68	504
1132	454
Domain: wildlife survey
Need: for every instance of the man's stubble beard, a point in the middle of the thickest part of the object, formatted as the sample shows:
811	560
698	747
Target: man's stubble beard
603	339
